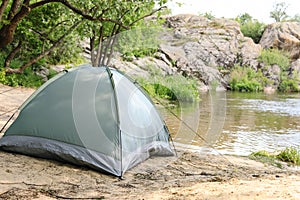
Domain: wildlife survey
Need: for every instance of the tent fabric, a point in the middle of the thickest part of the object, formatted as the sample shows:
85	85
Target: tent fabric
93	116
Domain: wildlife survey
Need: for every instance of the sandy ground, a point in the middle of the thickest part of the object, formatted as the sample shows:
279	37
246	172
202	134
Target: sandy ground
188	176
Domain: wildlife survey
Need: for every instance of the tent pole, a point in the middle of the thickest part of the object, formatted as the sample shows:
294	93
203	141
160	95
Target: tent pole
8	121
118	118
166	128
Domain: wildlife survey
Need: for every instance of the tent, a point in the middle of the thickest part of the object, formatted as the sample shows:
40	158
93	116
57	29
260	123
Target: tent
91	116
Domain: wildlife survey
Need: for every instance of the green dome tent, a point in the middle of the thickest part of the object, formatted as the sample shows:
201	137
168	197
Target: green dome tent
92	116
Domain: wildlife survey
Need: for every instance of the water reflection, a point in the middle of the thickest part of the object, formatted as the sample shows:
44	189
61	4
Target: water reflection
237	123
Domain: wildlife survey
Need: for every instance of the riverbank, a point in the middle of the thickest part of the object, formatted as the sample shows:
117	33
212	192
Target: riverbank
188	176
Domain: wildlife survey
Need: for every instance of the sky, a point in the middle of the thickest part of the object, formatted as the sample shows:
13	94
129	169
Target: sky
258	9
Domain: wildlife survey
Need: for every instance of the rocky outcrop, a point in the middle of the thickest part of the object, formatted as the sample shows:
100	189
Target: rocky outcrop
203	48
284	36
208	49
210	45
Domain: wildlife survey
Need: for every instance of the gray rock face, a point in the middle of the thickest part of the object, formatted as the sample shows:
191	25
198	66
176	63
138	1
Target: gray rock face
208	49
283	35
201	47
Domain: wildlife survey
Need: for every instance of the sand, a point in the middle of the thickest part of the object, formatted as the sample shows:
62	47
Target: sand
190	175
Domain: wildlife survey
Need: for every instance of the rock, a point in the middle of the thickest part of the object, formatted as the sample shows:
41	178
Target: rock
284	36
43	72
199	46
196	46
58	68
295	69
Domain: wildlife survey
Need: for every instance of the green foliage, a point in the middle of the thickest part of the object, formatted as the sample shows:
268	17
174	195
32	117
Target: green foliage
48	23
265	157
208	15
290	155
281	58
174	88
52	73
253	29
27	79
250	27
288	84
245	79
139	42
261	153
275	56
243	18
39	30
295	18
279	13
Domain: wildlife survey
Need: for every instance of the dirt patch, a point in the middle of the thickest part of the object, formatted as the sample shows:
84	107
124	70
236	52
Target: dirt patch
188	176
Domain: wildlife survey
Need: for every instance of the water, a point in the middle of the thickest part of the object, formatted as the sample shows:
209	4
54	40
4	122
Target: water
236	123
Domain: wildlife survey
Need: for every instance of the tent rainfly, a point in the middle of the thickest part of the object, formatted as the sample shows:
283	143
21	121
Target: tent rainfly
91	116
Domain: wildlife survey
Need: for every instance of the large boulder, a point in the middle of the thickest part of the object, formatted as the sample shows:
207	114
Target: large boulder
208	49
200	47
284	36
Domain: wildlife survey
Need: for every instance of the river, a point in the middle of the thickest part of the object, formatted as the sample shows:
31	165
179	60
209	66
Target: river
236	123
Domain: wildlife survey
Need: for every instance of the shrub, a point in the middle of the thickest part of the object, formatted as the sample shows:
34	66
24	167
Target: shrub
275	56
245	79
174	88
253	29
27	79
288	84
290	155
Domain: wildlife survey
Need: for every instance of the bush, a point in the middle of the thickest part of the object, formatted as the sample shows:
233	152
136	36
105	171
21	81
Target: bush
253	29
288	85
245	79
139	42
27	79
174	88
290	155
274	56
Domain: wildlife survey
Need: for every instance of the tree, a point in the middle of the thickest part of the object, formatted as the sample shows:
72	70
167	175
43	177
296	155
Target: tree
37	28
295	18
244	18
279	13
251	27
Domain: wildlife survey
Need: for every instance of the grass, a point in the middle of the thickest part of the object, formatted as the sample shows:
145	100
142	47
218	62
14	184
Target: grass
274	56
173	88
246	79
290	155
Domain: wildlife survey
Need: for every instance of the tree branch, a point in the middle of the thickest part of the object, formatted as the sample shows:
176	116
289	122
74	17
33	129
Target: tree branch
12	54
34	60
99	50
80	12
3	7
143	17
14	8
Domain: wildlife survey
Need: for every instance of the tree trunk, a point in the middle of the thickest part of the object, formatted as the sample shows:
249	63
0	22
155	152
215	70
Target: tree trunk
12	55
34	60
99	50
7	31
3	7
